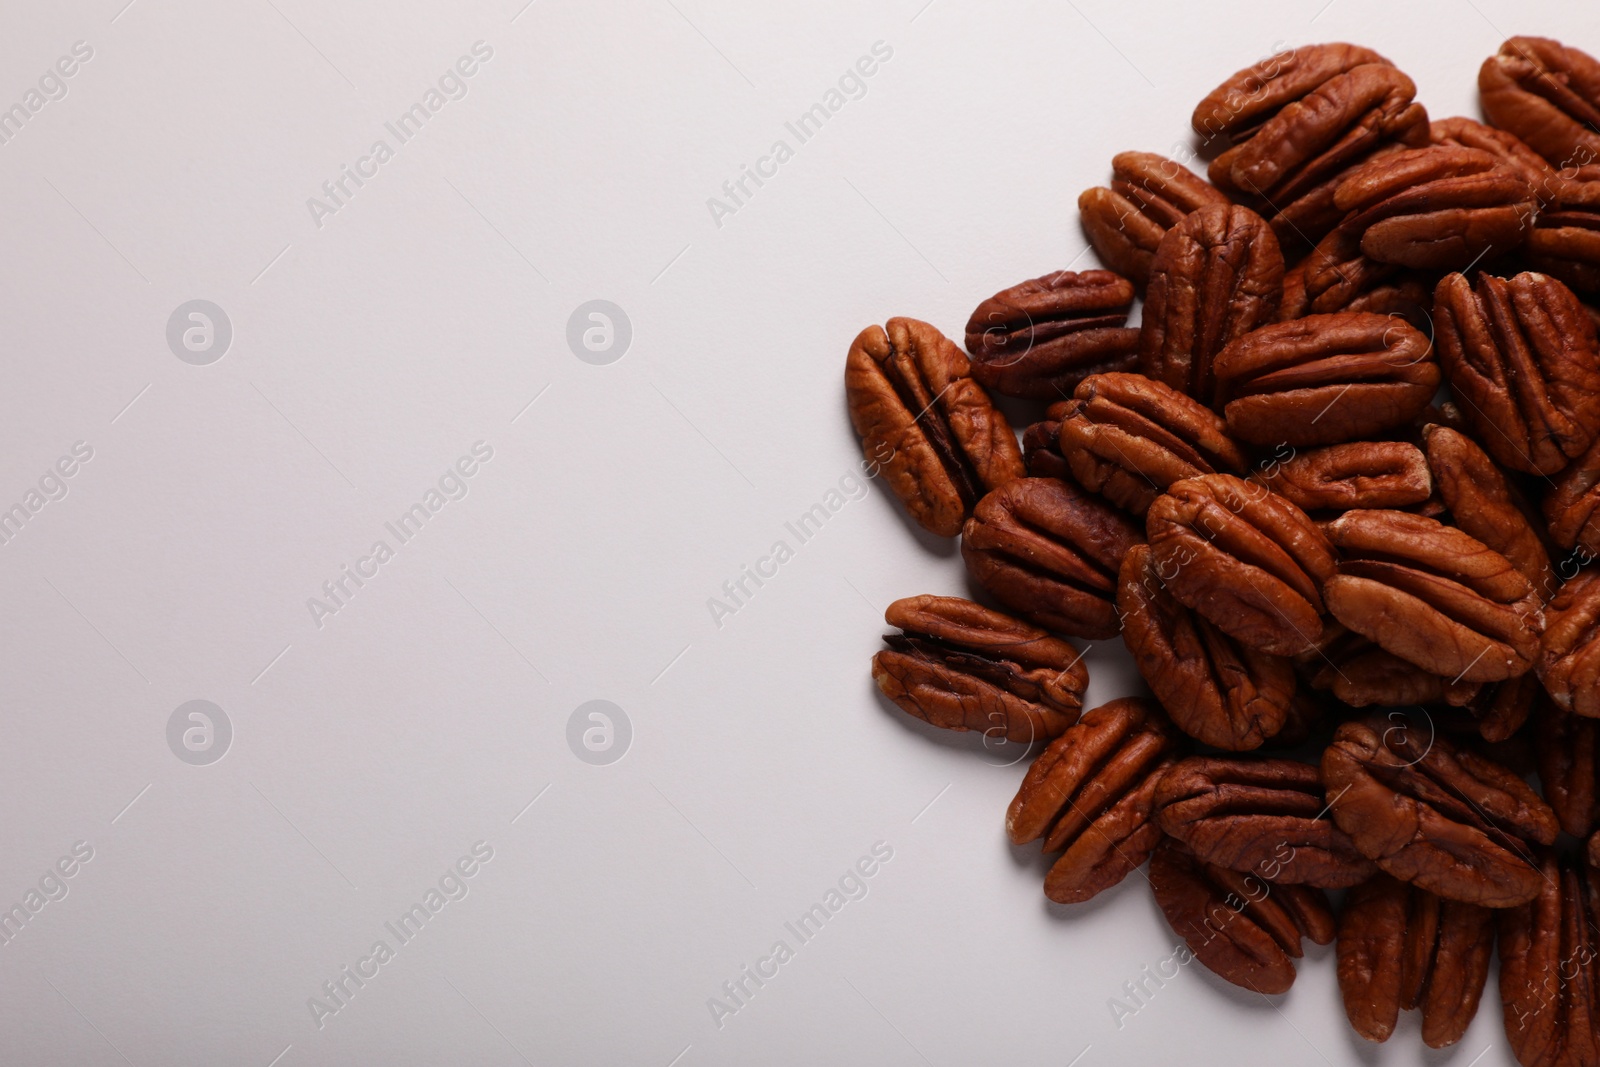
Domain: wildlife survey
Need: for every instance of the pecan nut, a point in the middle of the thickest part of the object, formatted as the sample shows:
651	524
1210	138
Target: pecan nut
1572	507
1521	357
1504	145
1336	277
1550	969
1402	947
1447	820
1361	674
1050	552
961	666
1548	95
1359	474
1091	793
938	440
1567	749
1484	504
1041	445
1042	337
1149	195
1565	241
1569	659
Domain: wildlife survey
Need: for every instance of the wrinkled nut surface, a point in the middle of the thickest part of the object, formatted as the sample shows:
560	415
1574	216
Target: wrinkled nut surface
1569	660
1041	445
1446	820
1128	437
1500	709
1050	552
1362	675
1216	690
1548	95
1266	817
1325	379
1245	930
1522	359
1149	194
1567	749
1484	504
1502	144
1572	507
959	665
1550	969
938	440
1245	558
1433	595
1090	793
1216	276
1565	241
1359	474
1401	947
1042	337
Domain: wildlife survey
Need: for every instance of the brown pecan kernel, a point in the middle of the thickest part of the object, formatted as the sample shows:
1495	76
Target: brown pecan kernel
1149	195
1246	930
1128	437
1572	508
1565	241
1359	474
1499	710
1521	357
1050	552
959	665
1550	969
1042	337
1244	557
1216	276
1447	820
1266	817
939	442
1336	277
1325	379
1567	748
1548	95
1433	595
1041	445
1402	947
1569	660
1504	145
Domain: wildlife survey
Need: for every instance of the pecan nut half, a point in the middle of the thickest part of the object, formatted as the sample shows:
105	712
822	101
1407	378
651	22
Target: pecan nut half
1569	660
1402	947
938	440
1358	474
1128	437
1362	675
1090	793
1565	241
1521	357
1216	276
1448	821
1567	749
1484	504
1433	595
959	665
1550	969
1548	95
1041	445
1325	379
1149	195
1050	552
1504	145
1245	930
1040	338
1572	507
1245	558
1266	817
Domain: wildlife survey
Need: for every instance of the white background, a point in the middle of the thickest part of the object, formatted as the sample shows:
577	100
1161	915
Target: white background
368	354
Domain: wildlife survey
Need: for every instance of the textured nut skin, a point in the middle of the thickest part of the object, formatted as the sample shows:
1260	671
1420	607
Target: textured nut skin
1550	969
1149	194
1216	690
1567	748
1245	930
1548	95
1360	474
1401	947
1502	144
1446	820
1433	595
1565	241
1522	360
1090	793
1245	558
1217	275
962	666
1040	338
1049	551
1572	507
1569	657
1362	675
1041	445
1325	379
1128	437
1266	817
1500	709
1339	276
1485	505
912	400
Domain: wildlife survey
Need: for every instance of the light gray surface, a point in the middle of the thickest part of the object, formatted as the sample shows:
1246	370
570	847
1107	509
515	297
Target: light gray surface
370	353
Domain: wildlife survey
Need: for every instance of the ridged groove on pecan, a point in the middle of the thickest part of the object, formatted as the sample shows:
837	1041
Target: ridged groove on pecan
1547	94
1337	277
1149	194
1041	446
1565	241
1358	474
1569	659
1572	506
1484	504
1550	969
1567	748
1502	144
1040	338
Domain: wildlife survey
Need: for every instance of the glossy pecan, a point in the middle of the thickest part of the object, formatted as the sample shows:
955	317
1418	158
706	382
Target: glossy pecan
1521	357
1128	437
1090	793
1149	194
1244	557
1565	240
1041	445
1216	276
1325	379
1050	552
1040	338
1403	947
1569	659
1267	817
1363	675
1358	474
1548	95
1447	820
1484	504
1433	595
1337	277
1503	144
961	666
1567	749
1550	969
1245	930
1572	507
938	441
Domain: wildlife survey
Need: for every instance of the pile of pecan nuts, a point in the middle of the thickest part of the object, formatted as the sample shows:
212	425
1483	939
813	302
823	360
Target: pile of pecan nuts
1367	610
